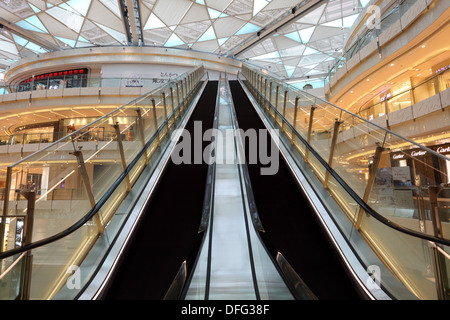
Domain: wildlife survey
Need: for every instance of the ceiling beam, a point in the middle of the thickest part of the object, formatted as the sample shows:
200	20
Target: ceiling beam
294	14
14	29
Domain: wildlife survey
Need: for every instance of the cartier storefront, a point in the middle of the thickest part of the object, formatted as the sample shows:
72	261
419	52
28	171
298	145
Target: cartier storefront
425	168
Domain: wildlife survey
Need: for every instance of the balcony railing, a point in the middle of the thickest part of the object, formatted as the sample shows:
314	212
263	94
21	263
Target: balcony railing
408	98
85	82
389	18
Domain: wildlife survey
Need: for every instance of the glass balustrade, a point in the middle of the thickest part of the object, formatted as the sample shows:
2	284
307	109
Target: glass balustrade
394	192
76	184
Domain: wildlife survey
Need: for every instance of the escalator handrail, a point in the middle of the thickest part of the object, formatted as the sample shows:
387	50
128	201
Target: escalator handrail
98	205
352	193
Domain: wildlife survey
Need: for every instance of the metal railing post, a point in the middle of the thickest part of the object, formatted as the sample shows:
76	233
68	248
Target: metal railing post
372	175
5	206
25	276
308	138
87	186
294	122
337	123
122	153
140	123
155	118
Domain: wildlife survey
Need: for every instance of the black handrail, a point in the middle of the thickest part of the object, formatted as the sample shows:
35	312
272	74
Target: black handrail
350	191
99	204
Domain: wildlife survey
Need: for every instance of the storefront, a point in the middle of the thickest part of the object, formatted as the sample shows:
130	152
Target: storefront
419	167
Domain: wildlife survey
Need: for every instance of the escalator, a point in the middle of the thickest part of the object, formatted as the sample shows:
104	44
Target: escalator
167	232
289	222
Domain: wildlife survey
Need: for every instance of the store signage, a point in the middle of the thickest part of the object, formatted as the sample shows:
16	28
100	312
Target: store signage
442	69
443	149
63	73
398	156
418	153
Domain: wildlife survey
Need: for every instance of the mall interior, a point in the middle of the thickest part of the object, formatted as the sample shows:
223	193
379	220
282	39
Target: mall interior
120	179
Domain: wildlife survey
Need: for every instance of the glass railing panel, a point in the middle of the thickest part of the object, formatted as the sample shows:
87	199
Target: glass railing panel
345	201
10	277
400	101
444	81
425	90
411	259
56	261
354	152
411	187
111	205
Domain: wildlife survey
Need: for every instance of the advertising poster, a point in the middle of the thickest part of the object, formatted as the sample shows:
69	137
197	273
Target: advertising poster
401	176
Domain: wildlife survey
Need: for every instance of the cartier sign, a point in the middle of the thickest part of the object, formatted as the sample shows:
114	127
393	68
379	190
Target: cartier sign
398	156
443	149
418	153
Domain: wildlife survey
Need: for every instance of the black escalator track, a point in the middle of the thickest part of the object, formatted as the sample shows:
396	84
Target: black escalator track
168	230
289	223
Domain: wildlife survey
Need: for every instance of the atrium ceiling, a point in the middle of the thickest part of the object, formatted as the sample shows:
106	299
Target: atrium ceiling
305	46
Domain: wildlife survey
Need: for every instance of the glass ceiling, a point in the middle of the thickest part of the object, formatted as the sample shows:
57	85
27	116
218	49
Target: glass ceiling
305	47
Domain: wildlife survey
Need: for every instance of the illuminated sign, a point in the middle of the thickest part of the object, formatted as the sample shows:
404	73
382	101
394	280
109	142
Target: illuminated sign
442	69
398	156
443	149
56	74
418	153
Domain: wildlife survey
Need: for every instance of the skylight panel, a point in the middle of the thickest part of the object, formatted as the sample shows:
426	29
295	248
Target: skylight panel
347	22
82	6
271	55
309	50
258	5
113	6
214	13
154	22
19	40
35	9
222	41
24	24
34	47
68	42
119	36
248	28
70	19
173	41
289	70
306	34
294	36
208	35
34	20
